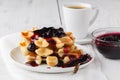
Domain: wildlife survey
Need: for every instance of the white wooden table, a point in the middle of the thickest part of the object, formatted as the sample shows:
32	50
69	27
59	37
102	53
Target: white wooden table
17	15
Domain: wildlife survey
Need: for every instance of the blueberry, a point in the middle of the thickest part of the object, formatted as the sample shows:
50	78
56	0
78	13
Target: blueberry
50	32
61	35
51	28
31	47
60	30
84	58
60	64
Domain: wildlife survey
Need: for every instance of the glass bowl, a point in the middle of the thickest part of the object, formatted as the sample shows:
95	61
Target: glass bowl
107	42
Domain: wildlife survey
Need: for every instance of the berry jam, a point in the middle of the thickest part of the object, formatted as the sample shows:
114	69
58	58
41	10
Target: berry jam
52	42
50	32
109	45
31	63
73	61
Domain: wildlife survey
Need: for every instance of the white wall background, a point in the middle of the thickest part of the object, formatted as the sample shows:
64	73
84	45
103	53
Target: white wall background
17	15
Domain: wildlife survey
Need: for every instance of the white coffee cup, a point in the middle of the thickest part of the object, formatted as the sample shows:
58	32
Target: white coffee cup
78	20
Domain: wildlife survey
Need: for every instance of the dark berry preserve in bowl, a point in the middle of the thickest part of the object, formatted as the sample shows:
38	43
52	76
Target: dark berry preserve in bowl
107	42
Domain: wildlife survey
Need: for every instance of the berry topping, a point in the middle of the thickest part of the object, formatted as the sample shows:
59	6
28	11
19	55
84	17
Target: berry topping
73	61
51	46
50	32
66	49
32	63
31	47
51	42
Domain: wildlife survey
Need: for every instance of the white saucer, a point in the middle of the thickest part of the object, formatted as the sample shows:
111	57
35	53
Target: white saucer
17	58
84	41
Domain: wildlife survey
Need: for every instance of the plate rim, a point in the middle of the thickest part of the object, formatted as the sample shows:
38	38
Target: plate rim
35	69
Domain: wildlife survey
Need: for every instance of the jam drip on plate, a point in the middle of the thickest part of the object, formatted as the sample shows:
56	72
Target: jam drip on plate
31	63
82	60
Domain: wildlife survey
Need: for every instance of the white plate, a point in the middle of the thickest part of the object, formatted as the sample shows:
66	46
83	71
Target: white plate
17	58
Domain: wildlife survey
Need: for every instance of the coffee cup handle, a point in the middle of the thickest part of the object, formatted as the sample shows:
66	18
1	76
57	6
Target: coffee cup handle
95	16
